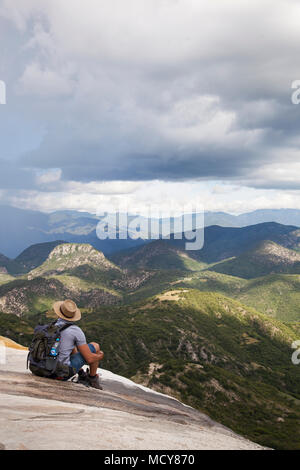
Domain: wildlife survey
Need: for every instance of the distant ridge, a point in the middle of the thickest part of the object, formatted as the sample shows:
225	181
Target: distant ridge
21	228
225	242
281	216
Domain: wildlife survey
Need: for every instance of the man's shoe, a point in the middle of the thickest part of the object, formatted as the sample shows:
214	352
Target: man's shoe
94	381
82	377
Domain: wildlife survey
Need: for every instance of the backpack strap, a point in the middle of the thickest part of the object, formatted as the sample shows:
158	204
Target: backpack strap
55	363
64	327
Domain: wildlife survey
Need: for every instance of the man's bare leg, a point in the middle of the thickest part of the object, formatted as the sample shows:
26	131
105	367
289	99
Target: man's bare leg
92	359
94	366
93	378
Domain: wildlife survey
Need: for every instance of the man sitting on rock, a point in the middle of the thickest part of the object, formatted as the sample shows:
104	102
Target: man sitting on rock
74	350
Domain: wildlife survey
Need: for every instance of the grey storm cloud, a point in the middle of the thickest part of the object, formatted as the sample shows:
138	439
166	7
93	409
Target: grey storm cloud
143	90
13	177
91	162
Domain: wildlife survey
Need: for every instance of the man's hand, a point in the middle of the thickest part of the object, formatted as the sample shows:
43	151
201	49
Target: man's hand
100	355
88	355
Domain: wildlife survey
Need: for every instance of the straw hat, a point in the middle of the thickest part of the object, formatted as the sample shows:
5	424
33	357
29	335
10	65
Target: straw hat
67	310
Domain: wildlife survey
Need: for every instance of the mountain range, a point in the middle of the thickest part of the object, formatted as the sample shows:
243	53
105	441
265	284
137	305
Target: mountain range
229	260
23	227
212	327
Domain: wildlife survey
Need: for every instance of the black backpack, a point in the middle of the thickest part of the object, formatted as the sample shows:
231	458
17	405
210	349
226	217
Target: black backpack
46	338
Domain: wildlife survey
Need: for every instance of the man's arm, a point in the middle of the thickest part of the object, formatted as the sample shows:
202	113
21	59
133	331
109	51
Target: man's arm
88	355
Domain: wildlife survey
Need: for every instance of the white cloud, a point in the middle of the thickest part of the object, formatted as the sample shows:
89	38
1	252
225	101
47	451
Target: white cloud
47	177
160	197
45	82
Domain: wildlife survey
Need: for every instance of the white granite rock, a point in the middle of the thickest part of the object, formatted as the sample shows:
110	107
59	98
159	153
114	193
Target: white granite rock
38	413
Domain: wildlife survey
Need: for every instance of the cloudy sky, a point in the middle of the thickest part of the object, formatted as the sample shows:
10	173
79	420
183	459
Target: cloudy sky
161	102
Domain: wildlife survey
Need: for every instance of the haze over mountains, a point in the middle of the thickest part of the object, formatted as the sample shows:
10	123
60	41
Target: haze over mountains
21	228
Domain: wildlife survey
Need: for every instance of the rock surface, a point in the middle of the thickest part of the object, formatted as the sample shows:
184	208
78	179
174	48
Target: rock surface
37	413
